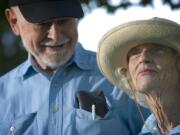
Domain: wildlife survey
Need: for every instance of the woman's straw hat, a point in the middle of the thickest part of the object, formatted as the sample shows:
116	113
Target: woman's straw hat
115	45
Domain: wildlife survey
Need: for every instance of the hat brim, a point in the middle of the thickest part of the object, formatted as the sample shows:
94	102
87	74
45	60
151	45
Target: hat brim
115	44
43	11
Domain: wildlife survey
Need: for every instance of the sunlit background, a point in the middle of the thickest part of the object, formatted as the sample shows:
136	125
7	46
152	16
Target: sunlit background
96	23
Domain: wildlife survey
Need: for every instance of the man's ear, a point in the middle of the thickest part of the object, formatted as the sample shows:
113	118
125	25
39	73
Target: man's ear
12	19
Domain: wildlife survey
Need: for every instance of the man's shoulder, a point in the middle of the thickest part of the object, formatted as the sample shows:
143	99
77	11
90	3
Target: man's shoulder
80	50
13	73
85	59
90	58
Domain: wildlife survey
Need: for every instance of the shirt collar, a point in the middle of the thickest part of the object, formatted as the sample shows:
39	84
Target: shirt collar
151	123
150	126
175	131
27	69
82	58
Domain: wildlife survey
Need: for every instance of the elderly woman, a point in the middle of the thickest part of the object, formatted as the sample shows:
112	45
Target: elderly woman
142	58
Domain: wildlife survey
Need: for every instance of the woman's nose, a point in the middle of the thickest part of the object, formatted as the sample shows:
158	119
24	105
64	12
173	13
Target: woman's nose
145	56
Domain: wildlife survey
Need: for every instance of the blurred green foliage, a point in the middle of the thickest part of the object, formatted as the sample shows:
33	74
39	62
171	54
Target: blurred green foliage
12	52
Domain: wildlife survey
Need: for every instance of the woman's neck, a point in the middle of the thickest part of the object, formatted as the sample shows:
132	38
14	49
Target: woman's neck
165	106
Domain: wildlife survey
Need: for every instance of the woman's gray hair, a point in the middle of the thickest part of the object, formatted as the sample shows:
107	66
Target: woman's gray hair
125	83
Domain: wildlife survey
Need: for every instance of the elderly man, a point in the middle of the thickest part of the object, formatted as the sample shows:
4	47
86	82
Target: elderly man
142	57
43	95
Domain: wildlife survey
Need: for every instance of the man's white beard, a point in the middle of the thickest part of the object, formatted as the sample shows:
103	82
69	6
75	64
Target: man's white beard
48	62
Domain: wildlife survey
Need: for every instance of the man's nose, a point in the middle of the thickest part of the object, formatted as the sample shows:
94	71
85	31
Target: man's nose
55	31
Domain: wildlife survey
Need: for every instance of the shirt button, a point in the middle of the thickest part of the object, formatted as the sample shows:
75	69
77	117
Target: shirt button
55	84
12	129
56	109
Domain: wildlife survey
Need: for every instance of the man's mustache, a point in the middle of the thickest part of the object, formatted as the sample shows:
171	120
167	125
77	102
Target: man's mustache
55	43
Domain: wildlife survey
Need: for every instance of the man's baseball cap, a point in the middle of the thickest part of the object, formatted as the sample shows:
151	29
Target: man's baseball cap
37	11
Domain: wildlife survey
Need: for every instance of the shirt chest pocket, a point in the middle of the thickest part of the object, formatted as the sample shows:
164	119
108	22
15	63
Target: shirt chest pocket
110	124
22	125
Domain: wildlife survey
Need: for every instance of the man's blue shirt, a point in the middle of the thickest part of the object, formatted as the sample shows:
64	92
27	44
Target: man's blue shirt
34	103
